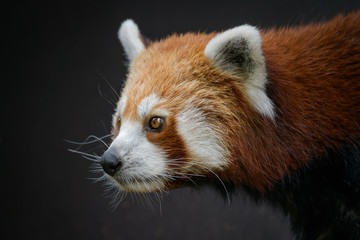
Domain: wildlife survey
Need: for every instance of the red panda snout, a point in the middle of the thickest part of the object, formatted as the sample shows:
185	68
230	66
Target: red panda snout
110	163
142	163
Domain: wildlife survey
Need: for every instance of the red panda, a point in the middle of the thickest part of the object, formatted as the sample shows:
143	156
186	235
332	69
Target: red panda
274	112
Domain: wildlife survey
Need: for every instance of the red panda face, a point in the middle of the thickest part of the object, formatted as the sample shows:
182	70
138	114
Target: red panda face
181	106
161	133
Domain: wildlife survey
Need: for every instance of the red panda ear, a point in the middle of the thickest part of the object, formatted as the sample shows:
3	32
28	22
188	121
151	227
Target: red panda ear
131	39
238	53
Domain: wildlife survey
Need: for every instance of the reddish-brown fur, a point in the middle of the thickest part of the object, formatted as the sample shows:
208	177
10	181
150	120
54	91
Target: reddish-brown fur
314	75
314	83
170	141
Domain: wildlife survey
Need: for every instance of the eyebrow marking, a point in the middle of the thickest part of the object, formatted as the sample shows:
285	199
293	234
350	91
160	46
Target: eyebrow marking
122	104
147	104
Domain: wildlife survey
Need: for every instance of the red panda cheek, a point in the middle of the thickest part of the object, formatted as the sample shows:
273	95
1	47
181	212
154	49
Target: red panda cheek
171	142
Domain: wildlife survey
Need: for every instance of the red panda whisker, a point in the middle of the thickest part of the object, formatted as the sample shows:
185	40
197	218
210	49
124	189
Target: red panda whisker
85	142
120	198
101	140
103	77
114	197
102	178
194	175
96	166
90	159
146	196
168	177
221	181
117	199
83	153
110	187
97	170
193	163
106	98
95	180
191	174
88	156
208	169
159	200
184	176
153	202
149	201
139	198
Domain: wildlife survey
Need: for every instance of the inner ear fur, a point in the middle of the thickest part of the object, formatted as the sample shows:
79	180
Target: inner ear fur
238	53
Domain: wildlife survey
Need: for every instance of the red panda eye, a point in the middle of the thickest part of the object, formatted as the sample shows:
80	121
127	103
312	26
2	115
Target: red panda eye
118	122
156	123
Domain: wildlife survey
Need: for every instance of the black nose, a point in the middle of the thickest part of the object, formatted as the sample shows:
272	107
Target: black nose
110	163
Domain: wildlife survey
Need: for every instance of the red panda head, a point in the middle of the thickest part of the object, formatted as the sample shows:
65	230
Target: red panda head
185	101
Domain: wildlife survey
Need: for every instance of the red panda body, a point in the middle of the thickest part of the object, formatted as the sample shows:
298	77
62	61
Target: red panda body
276	113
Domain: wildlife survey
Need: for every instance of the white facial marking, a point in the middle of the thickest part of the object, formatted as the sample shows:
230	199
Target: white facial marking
147	104
119	109
204	144
255	84
144	164
129	36
122	104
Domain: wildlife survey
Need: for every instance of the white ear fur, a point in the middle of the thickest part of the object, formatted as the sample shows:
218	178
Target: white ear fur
238	53
130	39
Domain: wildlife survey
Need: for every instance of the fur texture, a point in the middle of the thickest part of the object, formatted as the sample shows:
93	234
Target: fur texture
276	113
238	53
129	36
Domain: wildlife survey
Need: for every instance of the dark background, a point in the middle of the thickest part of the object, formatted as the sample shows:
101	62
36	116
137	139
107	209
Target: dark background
55	57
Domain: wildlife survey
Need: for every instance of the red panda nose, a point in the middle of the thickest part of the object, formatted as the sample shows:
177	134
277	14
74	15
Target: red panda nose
110	163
